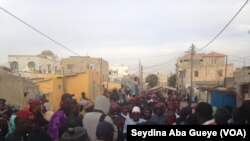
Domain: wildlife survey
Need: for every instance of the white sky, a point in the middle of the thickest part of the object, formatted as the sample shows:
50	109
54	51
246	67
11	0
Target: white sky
122	31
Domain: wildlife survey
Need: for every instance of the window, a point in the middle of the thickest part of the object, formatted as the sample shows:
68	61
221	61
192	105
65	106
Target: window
40	69
90	66
213	61
32	65
201	60
70	66
220	73
180	61
196	74
49	68
14	65
186	60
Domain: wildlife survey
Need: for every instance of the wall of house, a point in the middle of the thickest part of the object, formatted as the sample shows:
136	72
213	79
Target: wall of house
88	82
53	89
206	69
112	85
76	64
242	84
13	89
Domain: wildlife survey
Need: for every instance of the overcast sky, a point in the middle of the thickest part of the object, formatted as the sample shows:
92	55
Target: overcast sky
122	31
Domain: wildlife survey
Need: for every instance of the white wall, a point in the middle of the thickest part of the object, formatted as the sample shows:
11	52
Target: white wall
41	64
122	70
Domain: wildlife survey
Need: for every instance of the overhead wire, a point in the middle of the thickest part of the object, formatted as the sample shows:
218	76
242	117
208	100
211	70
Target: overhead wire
223	29
38	31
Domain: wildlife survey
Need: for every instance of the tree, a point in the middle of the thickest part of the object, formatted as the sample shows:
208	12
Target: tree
172	80
152	80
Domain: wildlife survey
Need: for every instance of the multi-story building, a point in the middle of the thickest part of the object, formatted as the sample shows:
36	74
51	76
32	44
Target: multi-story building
118	71
208	70
78	64
46	62
163	78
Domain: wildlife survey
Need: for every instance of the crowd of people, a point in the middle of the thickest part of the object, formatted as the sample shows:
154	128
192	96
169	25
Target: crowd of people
107	117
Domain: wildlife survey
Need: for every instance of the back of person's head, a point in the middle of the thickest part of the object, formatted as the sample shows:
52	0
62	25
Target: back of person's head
192	119
230	109
105	131
70	122
115	109
244	111
102	103
222	116
66	98
204	112
75	134
238	119
83	94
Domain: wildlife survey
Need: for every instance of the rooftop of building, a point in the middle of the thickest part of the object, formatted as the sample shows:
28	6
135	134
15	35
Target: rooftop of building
203	55
44	54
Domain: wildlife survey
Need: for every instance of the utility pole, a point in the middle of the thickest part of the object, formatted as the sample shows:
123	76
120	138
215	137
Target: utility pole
101	73
225	82
192	59
244	65
21	96
140	77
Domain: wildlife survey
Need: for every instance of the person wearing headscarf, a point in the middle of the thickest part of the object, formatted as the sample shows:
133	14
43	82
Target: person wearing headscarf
100	113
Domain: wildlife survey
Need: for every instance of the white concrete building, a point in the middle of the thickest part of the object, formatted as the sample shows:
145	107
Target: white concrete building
118	70
44	63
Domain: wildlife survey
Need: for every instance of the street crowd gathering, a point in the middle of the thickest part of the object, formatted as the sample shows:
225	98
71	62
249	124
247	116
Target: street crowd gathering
106	118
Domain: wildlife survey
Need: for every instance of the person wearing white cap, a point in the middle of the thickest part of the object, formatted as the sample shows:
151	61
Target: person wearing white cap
136	113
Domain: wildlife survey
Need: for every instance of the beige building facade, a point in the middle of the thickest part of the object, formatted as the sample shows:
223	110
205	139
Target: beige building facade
78	64
163	78
16	89
208	70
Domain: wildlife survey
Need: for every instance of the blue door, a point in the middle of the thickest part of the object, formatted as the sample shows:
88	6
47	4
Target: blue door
222	99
